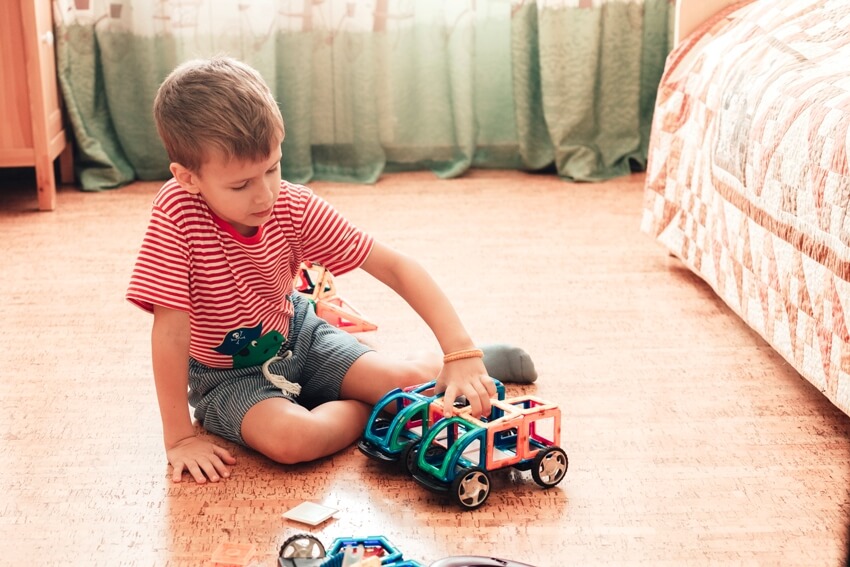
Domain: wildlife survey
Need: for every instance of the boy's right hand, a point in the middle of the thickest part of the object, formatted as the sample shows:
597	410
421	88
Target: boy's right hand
200	458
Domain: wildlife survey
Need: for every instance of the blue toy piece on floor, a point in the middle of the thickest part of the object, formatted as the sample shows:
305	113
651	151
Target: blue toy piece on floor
305	550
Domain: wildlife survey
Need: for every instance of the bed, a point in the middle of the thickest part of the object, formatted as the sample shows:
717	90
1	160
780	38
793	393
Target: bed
747	178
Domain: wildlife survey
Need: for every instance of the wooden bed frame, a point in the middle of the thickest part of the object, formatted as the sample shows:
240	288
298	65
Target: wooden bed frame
691	13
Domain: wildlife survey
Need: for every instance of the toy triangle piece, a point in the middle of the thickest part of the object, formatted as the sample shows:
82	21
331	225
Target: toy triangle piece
343	315
316	283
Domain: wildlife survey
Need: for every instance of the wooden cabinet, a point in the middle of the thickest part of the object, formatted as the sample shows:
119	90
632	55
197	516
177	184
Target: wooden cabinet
31	128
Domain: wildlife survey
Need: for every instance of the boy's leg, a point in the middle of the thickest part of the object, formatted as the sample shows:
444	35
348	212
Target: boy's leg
289	433
374	374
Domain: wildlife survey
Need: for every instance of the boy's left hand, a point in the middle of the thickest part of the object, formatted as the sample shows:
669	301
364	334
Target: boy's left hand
466	377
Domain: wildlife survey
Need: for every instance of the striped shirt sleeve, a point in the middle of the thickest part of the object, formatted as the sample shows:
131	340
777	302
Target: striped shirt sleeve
326	236
161	274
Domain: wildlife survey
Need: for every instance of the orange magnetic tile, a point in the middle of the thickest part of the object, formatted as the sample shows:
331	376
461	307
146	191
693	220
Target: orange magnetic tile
233	553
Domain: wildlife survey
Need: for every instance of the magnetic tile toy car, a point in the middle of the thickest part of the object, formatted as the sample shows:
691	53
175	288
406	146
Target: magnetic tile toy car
458	454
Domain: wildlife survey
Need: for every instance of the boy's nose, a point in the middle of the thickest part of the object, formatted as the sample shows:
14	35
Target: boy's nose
265	194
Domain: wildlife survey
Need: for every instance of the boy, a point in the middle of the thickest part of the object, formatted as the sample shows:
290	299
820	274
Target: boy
216	268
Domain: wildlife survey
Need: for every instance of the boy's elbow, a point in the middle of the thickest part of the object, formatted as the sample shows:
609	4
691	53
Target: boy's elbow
390	266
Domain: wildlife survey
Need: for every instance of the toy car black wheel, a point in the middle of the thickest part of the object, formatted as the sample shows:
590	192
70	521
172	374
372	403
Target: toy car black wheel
408	457
549	466
302	546
471	487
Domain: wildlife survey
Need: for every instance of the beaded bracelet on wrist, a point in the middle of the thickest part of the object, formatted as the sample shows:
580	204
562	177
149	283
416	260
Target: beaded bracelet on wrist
461	354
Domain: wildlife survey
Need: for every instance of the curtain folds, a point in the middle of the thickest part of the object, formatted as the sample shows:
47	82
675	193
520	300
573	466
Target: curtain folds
368	86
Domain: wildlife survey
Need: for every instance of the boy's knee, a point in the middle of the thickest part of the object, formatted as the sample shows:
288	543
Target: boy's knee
287	447
289	451
277	434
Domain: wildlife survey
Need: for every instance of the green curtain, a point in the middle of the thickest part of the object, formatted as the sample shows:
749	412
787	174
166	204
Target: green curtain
390	85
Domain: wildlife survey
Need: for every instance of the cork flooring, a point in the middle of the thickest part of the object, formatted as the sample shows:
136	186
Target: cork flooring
690	441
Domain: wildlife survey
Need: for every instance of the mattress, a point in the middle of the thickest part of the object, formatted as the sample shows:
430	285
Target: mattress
747	180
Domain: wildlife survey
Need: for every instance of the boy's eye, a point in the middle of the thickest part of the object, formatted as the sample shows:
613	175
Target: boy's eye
273	169
243	186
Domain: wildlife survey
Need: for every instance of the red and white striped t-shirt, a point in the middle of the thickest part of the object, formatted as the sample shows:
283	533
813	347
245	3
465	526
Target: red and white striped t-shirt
193	261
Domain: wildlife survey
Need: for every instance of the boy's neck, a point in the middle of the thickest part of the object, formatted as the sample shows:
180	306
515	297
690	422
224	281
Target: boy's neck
242	233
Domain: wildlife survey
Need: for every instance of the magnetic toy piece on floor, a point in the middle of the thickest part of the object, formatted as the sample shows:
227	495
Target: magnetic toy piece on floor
306	550
233	554
316	283
310	513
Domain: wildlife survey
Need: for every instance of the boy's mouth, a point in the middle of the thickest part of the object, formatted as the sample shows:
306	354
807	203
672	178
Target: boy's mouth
265	213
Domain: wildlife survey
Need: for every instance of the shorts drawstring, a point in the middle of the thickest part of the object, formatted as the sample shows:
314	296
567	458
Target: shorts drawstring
278	380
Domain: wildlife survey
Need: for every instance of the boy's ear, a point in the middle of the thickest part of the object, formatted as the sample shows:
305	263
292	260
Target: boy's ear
185	177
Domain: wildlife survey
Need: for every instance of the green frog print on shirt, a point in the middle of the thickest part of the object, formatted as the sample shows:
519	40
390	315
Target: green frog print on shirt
249	346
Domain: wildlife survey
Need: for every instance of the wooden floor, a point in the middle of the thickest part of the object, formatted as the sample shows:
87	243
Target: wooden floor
690	441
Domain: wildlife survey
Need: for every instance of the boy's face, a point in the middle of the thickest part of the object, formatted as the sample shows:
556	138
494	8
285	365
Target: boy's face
242	193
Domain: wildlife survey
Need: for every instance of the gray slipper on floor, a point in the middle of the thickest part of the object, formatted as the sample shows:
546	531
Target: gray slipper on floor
509	364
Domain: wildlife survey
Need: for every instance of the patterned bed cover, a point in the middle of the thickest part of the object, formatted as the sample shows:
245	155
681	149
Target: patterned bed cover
748	180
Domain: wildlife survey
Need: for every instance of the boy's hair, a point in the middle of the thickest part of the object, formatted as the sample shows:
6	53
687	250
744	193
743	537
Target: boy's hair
216	104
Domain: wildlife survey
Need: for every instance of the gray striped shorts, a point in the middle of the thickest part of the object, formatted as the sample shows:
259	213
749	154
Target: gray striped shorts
321	356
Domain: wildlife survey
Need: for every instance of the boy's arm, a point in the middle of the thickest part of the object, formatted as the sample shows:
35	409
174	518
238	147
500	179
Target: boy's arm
466	377
170	353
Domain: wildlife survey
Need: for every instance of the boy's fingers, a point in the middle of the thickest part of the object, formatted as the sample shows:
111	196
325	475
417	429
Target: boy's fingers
221	468
479	400
177	472
224	455
474	404
485	399
485	406
196	473
209	468
215	469
449	399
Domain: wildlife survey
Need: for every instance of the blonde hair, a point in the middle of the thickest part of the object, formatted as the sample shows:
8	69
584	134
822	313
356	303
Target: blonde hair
217	104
